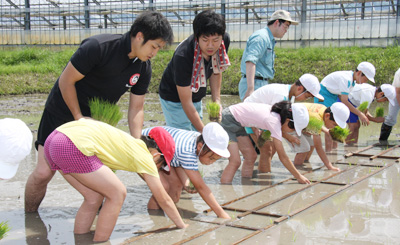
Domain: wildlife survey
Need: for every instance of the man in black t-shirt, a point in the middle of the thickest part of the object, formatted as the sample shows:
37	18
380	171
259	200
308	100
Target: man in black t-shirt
200	57
104	66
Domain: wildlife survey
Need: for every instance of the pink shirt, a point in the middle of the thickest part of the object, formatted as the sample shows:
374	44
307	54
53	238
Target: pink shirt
259	116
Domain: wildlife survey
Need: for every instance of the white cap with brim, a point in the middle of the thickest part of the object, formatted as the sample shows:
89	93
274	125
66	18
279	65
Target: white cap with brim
15	145
368	69
341	113
390	93
300	117
283	15
311	84
216	138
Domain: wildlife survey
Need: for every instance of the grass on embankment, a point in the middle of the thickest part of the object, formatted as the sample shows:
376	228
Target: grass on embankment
34	70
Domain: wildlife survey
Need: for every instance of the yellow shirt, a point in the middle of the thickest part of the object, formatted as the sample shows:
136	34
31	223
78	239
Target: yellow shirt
316	110
115	148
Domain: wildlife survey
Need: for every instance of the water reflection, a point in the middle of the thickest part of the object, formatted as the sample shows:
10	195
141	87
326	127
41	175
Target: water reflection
35	229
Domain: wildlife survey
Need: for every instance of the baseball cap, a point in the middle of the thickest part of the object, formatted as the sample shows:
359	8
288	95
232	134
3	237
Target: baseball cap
216	138
311	84
283	15
165	142
15	145
341	113
300	117
368	69
390	93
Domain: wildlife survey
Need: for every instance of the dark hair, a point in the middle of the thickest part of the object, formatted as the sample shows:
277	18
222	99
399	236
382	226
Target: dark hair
208	23
362	73
201	140
379	89
284	109
153	25
298	83
151	143
328	110
271	22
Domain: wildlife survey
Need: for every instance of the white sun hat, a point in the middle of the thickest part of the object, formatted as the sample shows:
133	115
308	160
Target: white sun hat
368	69
311	84
216	138
390	93
283	15
15	145
300	117
341	113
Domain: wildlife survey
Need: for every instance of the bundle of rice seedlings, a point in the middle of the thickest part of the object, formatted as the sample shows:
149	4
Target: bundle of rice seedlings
339	134
363	107
379	112
4	228
213	111
265	136
105	111
314	126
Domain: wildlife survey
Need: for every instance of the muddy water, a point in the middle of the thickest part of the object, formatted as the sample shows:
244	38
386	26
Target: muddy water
361	204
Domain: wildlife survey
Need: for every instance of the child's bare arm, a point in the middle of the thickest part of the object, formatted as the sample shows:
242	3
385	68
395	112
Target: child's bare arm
164	200
322	154
287	163
205	193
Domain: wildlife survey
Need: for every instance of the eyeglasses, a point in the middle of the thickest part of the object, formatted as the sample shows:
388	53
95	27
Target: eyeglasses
381	98
305	91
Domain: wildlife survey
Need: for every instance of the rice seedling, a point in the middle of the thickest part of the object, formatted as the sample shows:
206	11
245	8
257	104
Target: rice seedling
363	107
314	126
105	111
339	134
379	112
4	228
213	111
265	136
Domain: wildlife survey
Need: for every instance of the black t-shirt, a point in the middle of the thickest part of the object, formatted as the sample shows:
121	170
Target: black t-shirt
109	73
179	71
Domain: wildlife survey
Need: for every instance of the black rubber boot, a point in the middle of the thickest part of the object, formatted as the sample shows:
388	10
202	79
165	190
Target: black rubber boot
385	132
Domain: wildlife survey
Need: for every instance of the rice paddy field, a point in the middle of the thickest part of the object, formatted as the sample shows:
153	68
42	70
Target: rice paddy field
360	204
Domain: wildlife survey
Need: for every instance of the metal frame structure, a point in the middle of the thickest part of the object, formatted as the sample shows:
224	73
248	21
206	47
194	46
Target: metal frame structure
323	22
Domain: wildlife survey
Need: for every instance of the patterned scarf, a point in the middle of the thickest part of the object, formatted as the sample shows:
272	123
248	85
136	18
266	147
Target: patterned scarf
220	62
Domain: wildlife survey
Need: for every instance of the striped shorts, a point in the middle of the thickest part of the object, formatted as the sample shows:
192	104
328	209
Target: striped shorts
62	154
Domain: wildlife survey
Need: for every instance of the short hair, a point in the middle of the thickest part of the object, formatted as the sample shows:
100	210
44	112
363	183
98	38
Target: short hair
153	25
328	110
284	109
200	139
208	23
271	22
298	83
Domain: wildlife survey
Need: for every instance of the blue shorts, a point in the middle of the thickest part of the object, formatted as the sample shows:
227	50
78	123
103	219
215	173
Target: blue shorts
329	98
243	86
353	118
176	117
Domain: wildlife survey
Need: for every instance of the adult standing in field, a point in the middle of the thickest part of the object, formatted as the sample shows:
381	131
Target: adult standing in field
257	65
104	66
391	118
200	57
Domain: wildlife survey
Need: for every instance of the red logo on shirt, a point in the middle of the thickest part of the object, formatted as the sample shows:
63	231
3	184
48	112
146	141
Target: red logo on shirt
134	79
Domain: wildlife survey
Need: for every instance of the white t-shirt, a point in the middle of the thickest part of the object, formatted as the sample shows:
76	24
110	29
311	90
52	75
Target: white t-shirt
396	80
361	93
339	82
259	116
270	94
